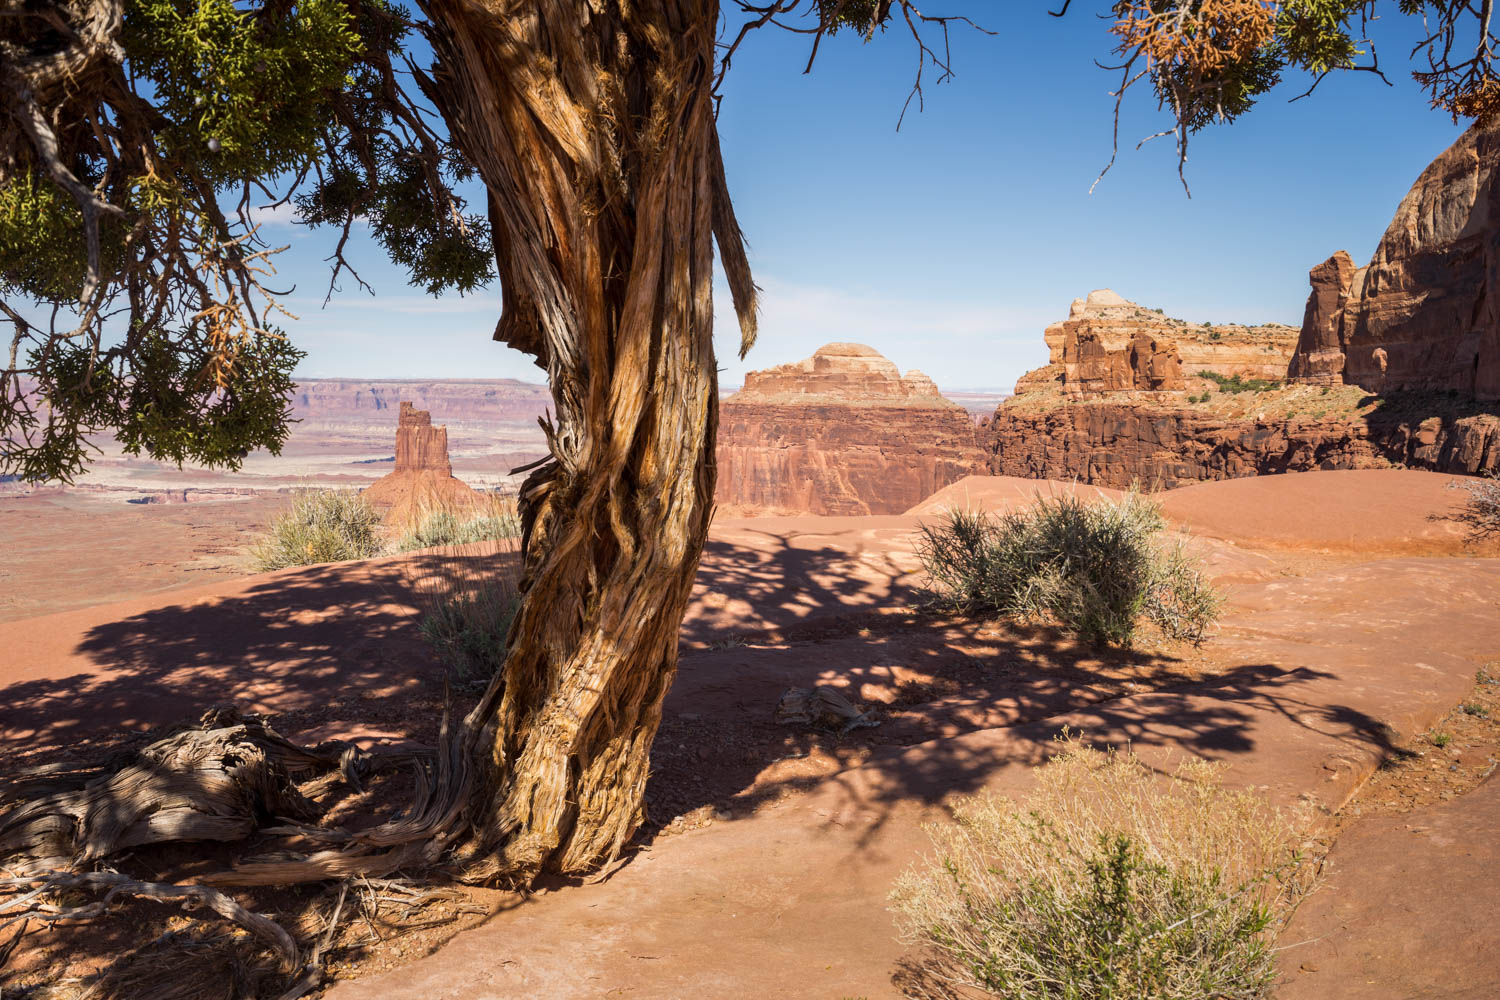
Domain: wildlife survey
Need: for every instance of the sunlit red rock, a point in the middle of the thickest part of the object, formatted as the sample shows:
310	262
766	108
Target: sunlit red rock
842	432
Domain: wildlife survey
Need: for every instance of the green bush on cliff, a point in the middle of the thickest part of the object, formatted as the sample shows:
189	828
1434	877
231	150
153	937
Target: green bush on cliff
1097	569
1237	383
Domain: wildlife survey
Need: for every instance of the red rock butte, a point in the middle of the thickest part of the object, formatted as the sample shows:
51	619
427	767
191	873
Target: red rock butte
422	481
1423	313
843	432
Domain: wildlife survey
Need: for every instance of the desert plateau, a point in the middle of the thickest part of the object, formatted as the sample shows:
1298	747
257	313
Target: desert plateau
544	500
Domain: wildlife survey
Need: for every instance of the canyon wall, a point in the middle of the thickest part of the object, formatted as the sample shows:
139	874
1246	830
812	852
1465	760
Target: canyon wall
1115	445
840	433
331	400
1423	313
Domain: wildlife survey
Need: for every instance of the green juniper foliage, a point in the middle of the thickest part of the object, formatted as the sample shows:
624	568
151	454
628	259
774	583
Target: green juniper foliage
136	235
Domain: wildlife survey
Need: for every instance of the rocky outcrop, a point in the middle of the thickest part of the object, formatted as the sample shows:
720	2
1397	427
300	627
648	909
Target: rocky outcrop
843	432
1423	313
1110	345
1320	347
420	447
1116	445
422	482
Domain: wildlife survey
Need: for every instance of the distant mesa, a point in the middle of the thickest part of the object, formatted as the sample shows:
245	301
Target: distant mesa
1110	345
1425	312
422	482
843	432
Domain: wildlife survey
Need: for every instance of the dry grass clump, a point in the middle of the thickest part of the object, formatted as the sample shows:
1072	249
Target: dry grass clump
321	526
438	526
468	586
1095	568
467	619
1109	881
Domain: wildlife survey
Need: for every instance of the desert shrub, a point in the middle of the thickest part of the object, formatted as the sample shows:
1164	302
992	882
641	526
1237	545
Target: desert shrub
321	526
467	628
1237	383
468	597
1109	881
494	519
1480	510
446	528
1095	568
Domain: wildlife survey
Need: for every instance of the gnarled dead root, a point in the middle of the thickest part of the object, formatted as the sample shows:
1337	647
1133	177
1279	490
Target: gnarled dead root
229	779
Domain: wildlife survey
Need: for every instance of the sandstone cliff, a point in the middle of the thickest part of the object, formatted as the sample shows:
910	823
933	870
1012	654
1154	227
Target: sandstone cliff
1423	313
1111	444
1109	345
422	482
842	432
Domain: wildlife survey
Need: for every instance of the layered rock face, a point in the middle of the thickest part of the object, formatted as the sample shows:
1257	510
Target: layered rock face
840	433
1320	347
1116	445
420	447
1109	345
422	482
1423	313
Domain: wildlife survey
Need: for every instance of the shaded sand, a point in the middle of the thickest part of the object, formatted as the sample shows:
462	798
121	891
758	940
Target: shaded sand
790	901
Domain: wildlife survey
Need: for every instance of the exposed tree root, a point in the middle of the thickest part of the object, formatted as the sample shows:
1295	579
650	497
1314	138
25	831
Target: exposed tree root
230	779
34	903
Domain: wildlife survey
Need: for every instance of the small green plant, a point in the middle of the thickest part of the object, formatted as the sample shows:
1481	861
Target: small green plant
1237	383
1326	390
468	629
1440	739
1097	569
1107	881
1484	677
321	526
1474	708
1215	335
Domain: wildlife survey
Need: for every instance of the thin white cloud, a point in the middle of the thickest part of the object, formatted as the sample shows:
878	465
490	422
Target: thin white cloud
960	343
284	214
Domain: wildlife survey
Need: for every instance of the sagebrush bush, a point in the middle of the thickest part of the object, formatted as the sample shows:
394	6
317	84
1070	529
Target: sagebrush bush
468	595
468	629
1109	882
1096	568
443	527
321	526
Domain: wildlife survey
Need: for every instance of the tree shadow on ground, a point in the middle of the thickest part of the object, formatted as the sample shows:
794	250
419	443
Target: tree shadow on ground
334	645
323	646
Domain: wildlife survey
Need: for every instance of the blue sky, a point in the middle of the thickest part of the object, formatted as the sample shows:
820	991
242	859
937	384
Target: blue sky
950	244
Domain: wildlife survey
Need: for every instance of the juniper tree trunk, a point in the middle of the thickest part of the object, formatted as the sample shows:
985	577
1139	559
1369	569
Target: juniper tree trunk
591	122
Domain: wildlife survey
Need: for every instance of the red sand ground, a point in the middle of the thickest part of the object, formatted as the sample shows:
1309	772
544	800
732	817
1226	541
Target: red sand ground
783	894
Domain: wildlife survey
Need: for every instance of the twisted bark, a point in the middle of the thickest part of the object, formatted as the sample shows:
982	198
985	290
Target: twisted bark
592	125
